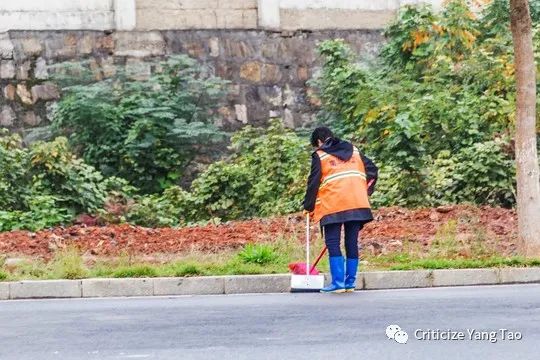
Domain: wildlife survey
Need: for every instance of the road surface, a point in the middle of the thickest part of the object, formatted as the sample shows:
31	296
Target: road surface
277	326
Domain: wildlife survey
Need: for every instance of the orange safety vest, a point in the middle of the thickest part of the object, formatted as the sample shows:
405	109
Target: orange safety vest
343	185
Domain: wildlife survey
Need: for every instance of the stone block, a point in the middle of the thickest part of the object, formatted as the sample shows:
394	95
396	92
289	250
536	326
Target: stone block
257	284
271	73
4	290
235	48
461	277
289	96
107	67
45	92
271	95
24	94
45	289
7	69
7	116
302	73
520	275
117	287
23	71
6	46
105	43
30	46
95	69
195	49
60	46
213	45
139	44
269	50
397	279
9	92
288	118
85	44
273	114
31	119
241	113
40	70
313	97
251	71
206	285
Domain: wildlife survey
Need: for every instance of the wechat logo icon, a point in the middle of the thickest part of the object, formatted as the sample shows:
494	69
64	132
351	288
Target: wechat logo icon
395	333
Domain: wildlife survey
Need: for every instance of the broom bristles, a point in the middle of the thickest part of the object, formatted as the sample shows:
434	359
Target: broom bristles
300	268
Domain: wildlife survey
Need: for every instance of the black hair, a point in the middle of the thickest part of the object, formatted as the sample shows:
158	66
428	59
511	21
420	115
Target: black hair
321	133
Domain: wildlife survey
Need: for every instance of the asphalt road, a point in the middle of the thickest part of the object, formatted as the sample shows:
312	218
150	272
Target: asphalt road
278	326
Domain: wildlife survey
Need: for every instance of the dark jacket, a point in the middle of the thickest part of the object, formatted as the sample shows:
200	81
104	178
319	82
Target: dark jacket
343	150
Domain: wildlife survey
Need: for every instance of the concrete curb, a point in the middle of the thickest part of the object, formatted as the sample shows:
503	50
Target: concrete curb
243	284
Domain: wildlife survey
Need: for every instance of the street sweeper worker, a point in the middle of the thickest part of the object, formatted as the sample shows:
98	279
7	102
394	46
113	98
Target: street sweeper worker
337	196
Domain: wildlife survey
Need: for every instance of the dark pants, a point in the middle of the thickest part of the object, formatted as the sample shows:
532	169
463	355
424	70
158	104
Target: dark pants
332	237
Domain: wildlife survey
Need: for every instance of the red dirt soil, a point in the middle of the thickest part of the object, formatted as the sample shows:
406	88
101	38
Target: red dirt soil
391	228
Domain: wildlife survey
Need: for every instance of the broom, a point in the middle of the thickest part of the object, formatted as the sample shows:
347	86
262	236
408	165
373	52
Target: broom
306	278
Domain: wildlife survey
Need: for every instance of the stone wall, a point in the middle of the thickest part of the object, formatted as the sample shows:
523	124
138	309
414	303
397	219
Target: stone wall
266	48
268	71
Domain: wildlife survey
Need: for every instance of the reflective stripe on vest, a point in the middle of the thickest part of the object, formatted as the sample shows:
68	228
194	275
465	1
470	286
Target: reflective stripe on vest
341	175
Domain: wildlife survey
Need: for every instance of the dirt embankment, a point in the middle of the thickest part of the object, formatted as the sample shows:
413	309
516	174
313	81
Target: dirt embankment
391	229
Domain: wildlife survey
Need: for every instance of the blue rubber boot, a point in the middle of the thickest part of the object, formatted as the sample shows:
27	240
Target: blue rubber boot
350	275
337	270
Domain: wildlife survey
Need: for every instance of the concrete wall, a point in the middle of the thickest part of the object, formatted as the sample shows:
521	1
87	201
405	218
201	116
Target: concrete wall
335	14
56	14
198	14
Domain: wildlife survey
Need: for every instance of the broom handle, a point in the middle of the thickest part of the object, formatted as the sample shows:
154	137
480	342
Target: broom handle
307	244
318	259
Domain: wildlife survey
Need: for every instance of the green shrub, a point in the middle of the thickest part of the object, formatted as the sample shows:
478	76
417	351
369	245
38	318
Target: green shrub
45	185
14	176
433	110
146	132
43	211
257	254
265	176
482	174
57	171
172	208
